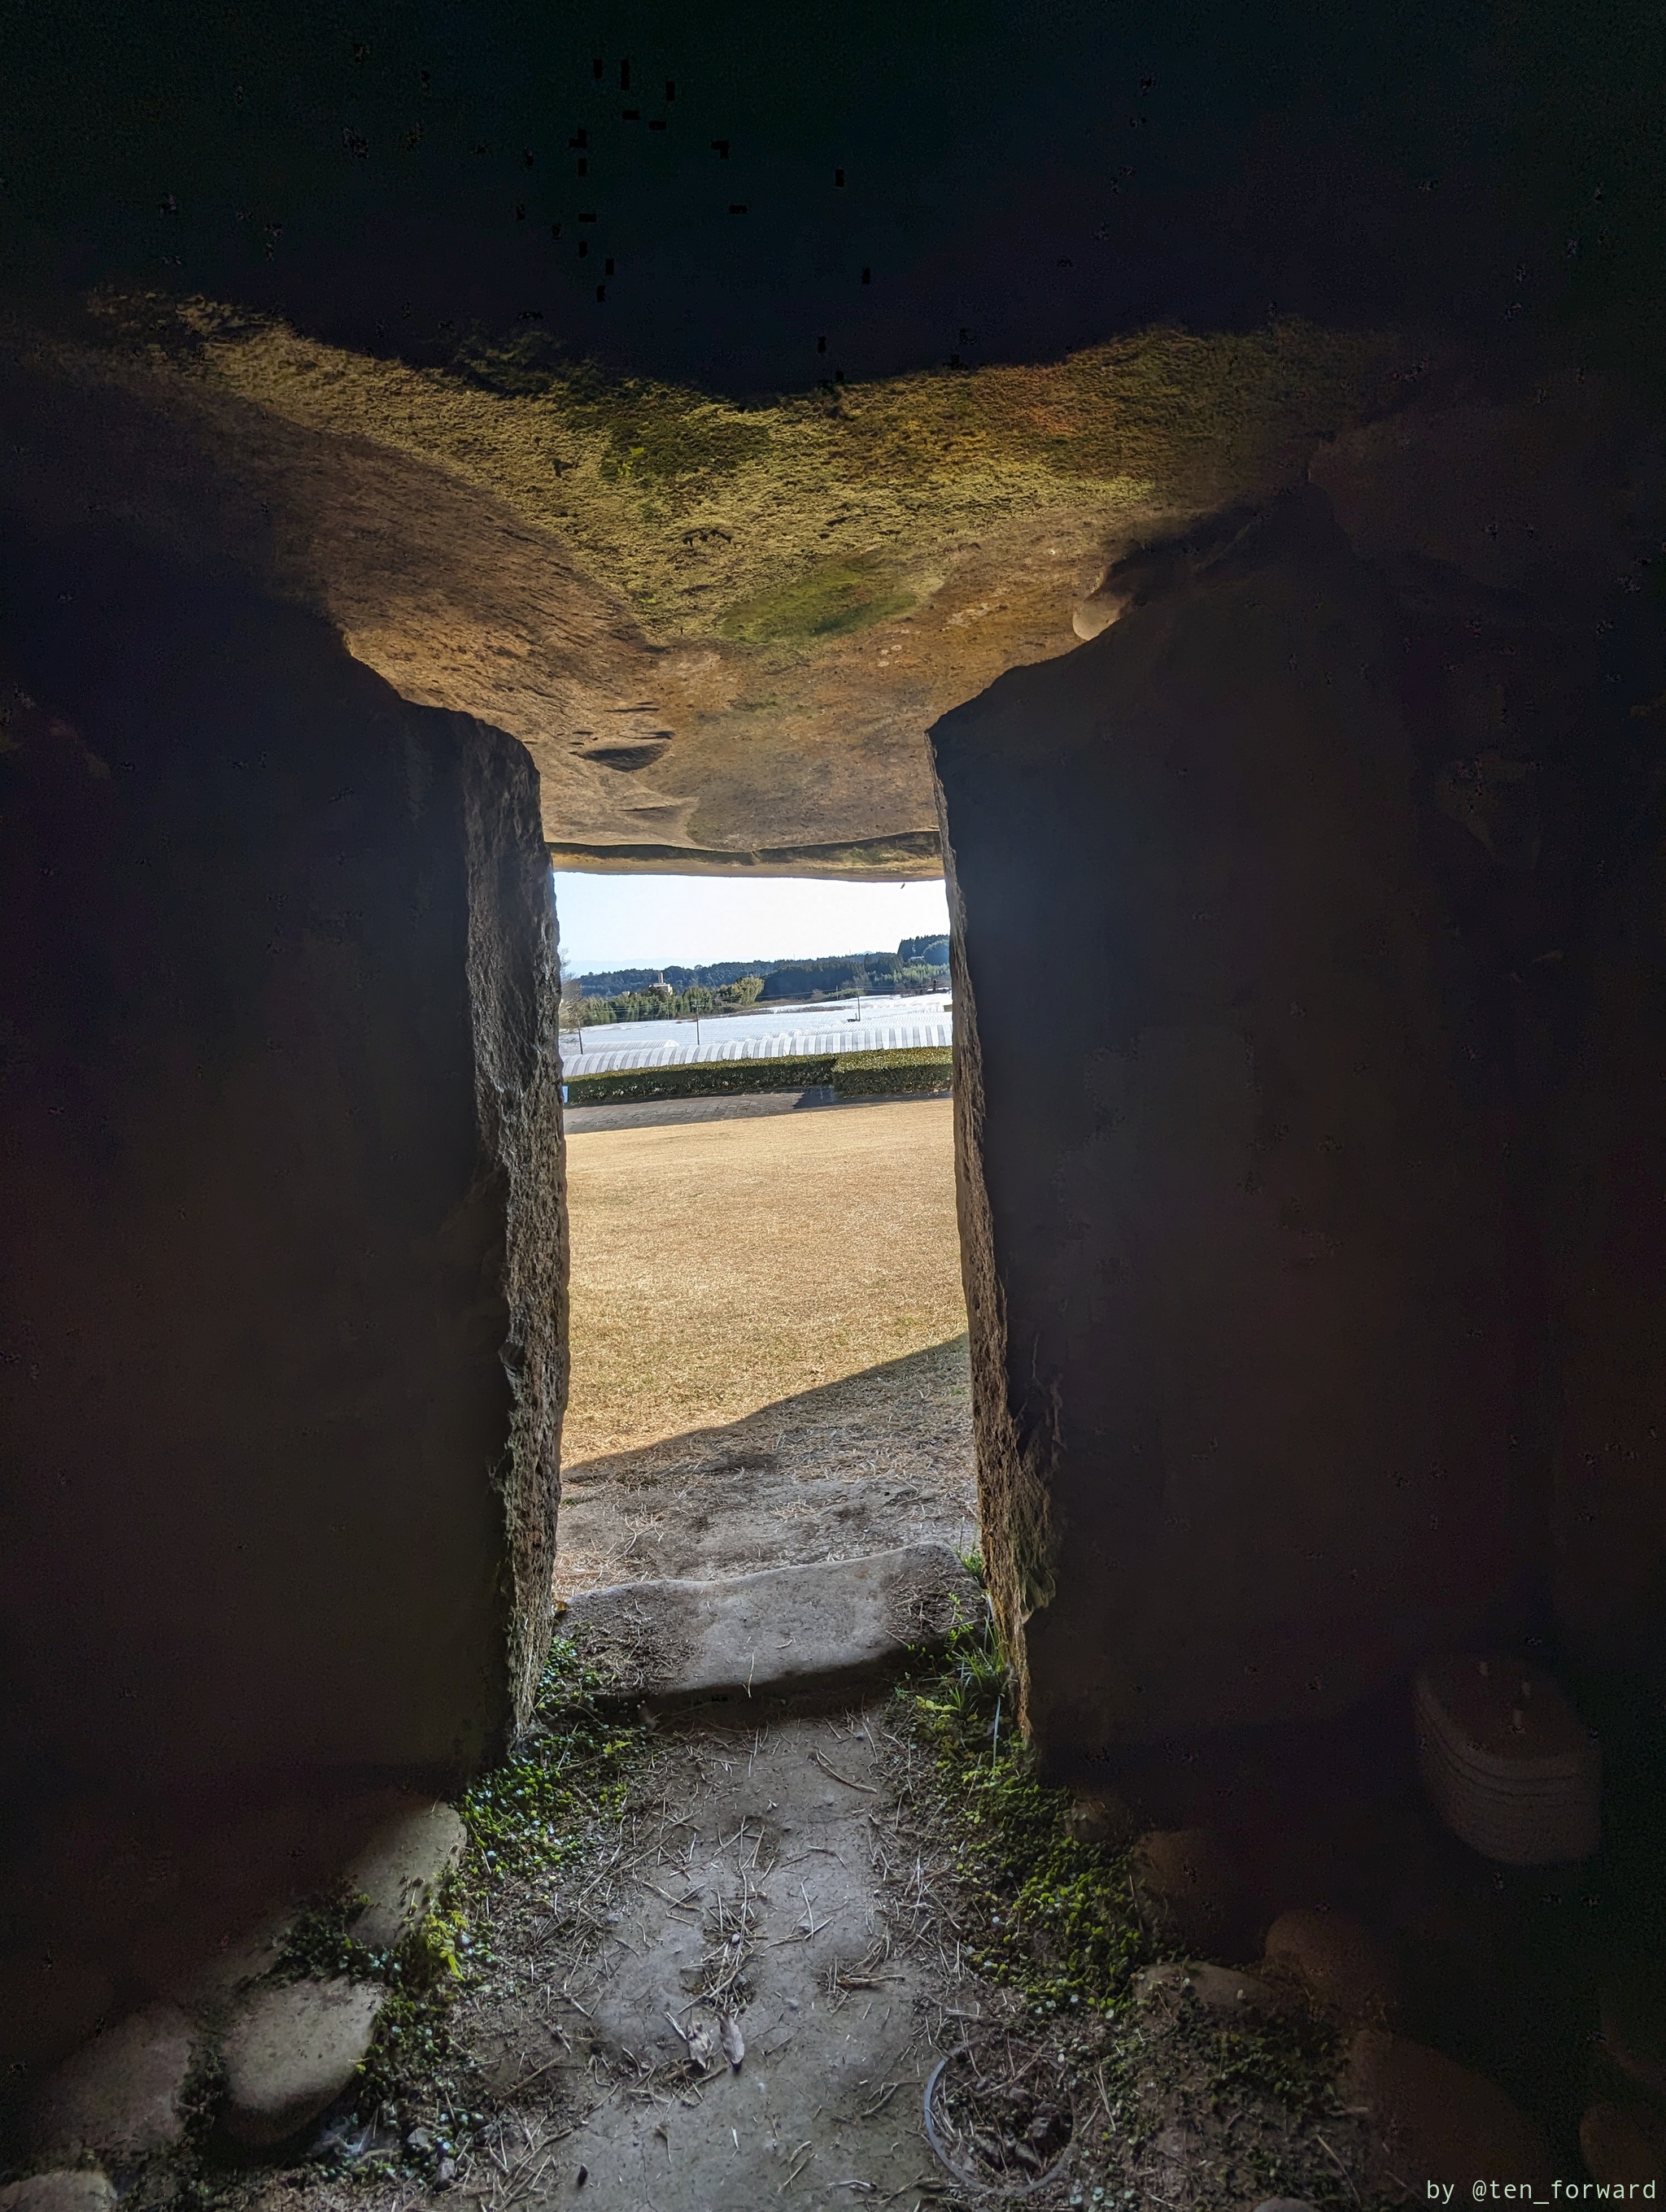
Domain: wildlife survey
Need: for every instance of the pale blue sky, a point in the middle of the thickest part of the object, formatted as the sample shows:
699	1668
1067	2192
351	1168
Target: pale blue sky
649	921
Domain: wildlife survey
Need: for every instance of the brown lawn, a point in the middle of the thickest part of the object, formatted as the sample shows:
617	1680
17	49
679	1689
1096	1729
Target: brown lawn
719	1266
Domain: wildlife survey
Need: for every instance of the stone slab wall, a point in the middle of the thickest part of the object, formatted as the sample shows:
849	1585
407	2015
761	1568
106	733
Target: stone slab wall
283	1299
1310	974
1237	1225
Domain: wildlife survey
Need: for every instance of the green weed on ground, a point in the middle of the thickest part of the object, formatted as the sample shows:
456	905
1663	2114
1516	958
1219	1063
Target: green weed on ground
1059	1922
540	1812
533	1816
1051	1921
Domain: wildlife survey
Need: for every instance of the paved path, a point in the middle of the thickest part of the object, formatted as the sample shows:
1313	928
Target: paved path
658	1113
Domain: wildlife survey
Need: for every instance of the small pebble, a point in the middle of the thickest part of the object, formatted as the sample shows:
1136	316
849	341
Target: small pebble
445	2173
581	2177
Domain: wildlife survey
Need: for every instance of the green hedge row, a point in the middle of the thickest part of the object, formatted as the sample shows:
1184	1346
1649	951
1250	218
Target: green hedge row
875	1074
852	1074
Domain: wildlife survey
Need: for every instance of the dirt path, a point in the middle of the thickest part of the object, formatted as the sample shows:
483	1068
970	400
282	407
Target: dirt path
750	1888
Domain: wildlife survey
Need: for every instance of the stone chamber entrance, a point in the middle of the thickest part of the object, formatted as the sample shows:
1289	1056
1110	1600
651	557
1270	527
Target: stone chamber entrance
1233	564
768	1335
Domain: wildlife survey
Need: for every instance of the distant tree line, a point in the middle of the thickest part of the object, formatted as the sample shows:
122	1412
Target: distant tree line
657	1003
649	994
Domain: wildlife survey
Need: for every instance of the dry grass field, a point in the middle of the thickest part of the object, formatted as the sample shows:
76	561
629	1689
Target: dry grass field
719	1266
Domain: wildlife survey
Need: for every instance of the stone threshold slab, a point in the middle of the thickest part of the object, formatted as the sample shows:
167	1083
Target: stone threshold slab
785	1635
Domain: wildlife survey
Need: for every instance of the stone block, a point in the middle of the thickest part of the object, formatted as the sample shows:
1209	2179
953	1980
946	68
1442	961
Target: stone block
1440	2121
282	1169
122	2095
1235	1229
401	1870
292	2053
786	1633
284	1146
67	2189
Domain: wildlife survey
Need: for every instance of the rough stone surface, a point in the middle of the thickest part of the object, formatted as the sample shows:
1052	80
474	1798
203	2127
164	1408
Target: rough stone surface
1443	2122
1190	1890
292	2053
682	691
402	1870
1510	535
1345	1971
68	2189
282	1142
1619	2144
121	2095
1250	1313
1217	1989
784	1633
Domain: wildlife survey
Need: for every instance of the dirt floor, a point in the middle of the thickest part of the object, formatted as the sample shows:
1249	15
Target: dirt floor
722	1976
723	1266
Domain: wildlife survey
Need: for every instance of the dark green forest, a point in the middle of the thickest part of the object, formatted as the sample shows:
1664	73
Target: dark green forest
645	994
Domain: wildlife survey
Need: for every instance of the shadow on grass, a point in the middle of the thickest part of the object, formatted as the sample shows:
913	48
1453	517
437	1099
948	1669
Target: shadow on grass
876	1459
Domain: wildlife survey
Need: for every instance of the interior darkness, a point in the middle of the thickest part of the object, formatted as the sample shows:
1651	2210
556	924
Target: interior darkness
1017	181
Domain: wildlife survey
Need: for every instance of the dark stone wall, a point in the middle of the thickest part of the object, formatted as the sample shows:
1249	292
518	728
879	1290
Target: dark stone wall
282	1305
1248	1243
1282	997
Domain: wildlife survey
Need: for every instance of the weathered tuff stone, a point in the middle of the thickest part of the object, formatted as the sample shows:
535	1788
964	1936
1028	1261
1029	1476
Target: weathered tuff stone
292	2053
1234	1232
787	1632
68	2189
1343	1969
401	1871
280	1139
1217	1989
1444	2123
121	2096
1190	1891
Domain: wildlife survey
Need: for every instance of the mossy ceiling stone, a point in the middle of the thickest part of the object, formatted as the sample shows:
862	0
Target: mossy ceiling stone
828	601
722	629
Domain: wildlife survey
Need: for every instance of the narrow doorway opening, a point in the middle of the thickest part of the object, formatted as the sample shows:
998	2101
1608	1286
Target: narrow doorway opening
768	1327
